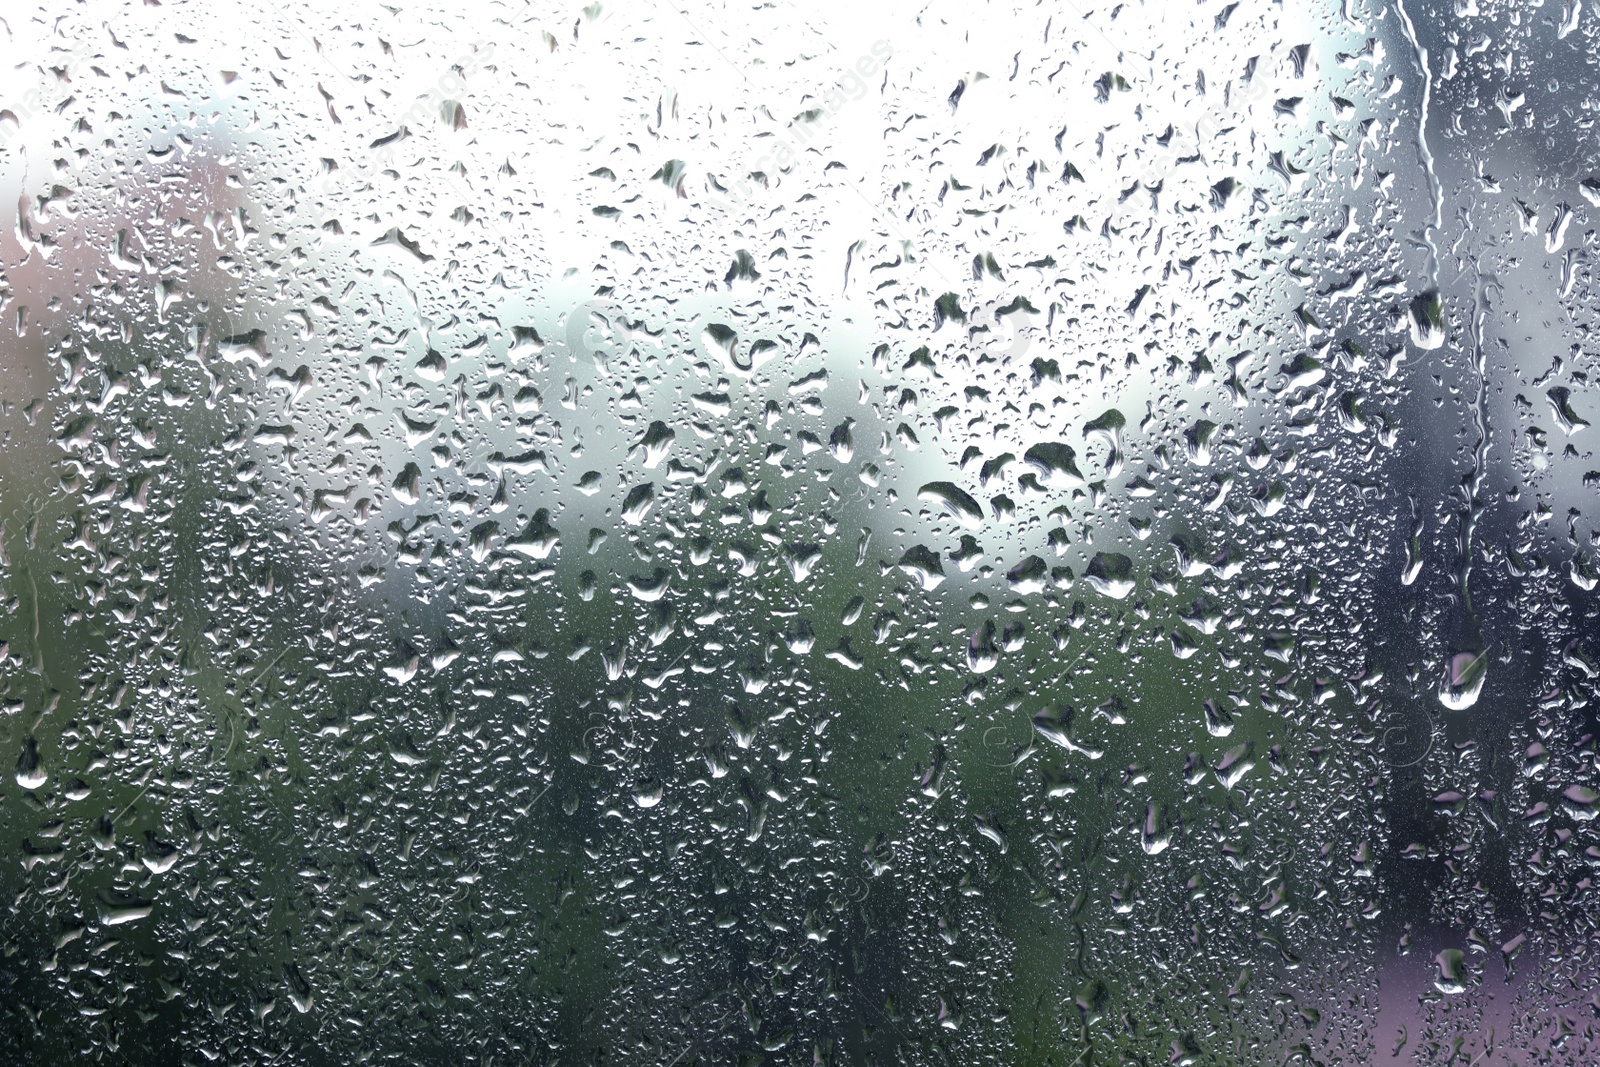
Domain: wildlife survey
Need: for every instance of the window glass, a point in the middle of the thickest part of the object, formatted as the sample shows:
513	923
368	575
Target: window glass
773	533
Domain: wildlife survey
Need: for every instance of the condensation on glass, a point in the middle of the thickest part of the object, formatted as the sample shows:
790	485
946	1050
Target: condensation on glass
799	534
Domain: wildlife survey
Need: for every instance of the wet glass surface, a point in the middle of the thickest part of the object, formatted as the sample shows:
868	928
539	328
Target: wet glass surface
783	534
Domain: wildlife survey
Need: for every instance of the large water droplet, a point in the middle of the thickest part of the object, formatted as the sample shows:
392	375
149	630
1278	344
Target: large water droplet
1463	680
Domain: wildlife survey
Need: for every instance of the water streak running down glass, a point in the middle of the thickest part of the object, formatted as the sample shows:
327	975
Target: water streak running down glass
787	533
